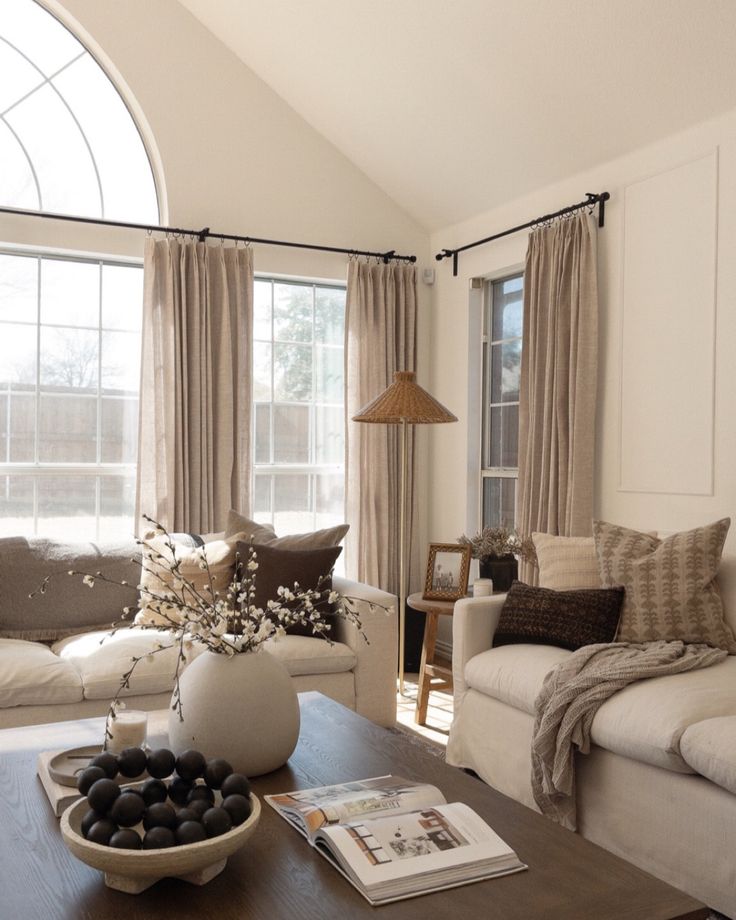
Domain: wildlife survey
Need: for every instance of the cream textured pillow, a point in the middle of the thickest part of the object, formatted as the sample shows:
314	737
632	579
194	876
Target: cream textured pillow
670	589
566	563
157	578
264	535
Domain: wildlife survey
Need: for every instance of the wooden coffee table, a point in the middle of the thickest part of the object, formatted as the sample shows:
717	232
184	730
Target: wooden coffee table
277	875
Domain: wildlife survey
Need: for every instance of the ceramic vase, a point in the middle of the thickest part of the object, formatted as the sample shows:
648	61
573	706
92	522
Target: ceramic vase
243	708
502	570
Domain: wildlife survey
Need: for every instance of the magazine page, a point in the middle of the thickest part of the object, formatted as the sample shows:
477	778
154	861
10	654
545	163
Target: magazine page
422	849
311	809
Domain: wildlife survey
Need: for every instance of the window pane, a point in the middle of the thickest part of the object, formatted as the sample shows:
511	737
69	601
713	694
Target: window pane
67	429
120	363
38	35
504	437
70	293
261	371
16	505
17	186
18	346
505	371
122	297
330	499
66	507
329	315
508	308
292	312
262	310
18	287
262	497
290	434
292	372
119	436
329	380
499	502
21	425
19	76
117	507
329	440
292	504
69	359
263	434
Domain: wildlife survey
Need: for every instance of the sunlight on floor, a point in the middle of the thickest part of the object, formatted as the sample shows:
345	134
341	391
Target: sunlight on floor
439	711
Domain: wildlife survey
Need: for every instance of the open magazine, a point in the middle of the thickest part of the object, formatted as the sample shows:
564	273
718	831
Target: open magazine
393	838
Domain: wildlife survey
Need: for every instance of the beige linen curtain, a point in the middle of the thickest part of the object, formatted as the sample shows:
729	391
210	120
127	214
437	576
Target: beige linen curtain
558	380
380	338
195	404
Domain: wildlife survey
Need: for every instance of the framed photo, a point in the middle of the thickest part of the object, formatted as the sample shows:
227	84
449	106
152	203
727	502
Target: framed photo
447	572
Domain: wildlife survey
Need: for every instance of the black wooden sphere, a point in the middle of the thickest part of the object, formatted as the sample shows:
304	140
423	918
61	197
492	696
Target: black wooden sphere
201	792
238	807
216	771
127	810
126	839
106	761
89	776
92	817
216	821
179	790
235	784
102	794
190	765
199	807
158	838
160	814
161	763
132	762
190	832
186	814
153	790
101	831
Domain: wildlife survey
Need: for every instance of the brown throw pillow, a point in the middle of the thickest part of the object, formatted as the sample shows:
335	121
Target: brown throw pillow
264	534
278	567
568	619
670	584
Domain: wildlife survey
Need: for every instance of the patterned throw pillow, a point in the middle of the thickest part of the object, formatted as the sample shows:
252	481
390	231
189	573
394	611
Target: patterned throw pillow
566	563
670	584
568	619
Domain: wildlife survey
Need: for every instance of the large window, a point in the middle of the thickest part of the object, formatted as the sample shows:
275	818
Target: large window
69	326
502	331
298	393
69	379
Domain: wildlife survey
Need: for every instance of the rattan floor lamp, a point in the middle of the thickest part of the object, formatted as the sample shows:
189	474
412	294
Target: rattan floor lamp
404	403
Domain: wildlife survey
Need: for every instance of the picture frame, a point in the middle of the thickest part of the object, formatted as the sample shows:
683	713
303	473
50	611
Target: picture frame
448	565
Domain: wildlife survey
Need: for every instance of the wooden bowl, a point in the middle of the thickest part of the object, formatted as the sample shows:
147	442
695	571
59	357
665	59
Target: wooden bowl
133	871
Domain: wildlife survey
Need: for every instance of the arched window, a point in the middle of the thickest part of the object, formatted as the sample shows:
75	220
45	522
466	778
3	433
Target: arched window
69	324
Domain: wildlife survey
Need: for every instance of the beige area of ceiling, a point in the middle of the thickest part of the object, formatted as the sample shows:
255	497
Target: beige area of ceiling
456	106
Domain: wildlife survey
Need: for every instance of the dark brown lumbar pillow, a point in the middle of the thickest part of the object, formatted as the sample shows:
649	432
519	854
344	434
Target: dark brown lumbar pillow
277	567
568	619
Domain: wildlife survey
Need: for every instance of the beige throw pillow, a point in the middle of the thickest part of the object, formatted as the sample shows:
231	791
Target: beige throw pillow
157	578
566	563
670	584
264	534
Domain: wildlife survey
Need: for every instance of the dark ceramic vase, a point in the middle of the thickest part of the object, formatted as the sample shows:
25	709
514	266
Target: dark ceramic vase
502	570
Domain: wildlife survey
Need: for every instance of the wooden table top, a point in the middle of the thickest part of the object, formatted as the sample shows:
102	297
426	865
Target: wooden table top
418	602
278	875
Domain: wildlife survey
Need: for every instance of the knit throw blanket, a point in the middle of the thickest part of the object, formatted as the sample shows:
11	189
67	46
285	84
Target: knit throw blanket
570	697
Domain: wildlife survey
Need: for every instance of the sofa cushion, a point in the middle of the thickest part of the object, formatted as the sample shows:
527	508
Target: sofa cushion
31	675
101	658
670	584
566	563
513	674
302	655
66	606
568	619
263	533
709	747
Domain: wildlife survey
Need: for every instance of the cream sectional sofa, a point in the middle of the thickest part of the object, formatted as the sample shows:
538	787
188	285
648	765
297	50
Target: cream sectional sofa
75	676
659	786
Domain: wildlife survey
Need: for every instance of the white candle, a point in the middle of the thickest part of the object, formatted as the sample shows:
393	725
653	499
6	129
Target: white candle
482	587
127	729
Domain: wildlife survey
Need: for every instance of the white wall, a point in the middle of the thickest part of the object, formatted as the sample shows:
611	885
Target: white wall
697	414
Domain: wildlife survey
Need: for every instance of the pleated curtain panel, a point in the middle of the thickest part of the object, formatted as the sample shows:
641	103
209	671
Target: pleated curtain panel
557	399
380	338
195	403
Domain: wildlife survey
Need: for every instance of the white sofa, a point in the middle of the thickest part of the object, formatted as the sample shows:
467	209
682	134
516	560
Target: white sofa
659	786
77	676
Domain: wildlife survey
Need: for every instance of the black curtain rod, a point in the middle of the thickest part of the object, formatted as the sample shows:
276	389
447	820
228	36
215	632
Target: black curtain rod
205	232
590	201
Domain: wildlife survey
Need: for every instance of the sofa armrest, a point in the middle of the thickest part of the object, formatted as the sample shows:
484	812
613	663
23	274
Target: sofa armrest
474	622
376	666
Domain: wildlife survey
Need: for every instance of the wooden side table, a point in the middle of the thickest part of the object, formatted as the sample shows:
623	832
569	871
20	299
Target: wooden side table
433	675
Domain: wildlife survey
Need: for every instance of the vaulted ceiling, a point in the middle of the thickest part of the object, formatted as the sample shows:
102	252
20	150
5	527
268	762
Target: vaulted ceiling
455	106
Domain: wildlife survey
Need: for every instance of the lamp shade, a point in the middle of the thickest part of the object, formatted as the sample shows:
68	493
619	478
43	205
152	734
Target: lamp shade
405	401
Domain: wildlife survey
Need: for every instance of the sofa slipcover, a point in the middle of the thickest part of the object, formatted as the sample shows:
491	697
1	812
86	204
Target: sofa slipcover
31	675
709	747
